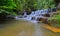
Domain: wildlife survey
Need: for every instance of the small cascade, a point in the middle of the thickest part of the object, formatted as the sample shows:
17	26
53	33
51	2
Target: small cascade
29	17
32	13
35	15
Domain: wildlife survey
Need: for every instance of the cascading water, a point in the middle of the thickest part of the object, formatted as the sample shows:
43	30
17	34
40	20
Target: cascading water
34	14
25	13
37	14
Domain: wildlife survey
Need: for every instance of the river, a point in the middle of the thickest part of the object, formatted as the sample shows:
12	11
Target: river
24	28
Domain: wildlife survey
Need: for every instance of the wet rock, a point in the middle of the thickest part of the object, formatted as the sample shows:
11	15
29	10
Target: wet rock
43	20
33	18
46	15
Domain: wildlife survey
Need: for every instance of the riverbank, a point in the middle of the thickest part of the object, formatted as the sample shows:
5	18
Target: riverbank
51	28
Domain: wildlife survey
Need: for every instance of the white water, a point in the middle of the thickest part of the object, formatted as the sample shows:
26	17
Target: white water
35	15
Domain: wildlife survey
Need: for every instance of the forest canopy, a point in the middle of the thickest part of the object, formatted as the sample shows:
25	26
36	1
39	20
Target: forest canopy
27	5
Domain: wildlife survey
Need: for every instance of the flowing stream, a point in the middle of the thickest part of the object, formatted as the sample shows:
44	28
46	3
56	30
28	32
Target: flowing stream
24	28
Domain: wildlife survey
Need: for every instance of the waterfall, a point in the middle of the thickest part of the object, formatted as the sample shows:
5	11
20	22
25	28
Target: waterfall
34	14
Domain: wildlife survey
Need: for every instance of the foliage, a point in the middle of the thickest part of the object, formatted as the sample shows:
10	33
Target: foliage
55	20
57	17
34	4
7	5
27	5
44	4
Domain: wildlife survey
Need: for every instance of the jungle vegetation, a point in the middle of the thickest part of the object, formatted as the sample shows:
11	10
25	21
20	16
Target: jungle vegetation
14	6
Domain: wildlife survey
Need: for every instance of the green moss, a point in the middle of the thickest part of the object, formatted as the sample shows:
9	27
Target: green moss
57	17
55	20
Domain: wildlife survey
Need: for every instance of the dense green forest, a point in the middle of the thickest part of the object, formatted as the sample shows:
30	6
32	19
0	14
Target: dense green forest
14	6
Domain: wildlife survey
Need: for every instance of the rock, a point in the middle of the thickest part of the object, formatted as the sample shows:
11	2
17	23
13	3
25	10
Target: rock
43	20
33	18
53	13
46	15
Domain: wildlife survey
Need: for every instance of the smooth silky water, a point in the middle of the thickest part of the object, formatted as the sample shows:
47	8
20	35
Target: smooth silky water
24	28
